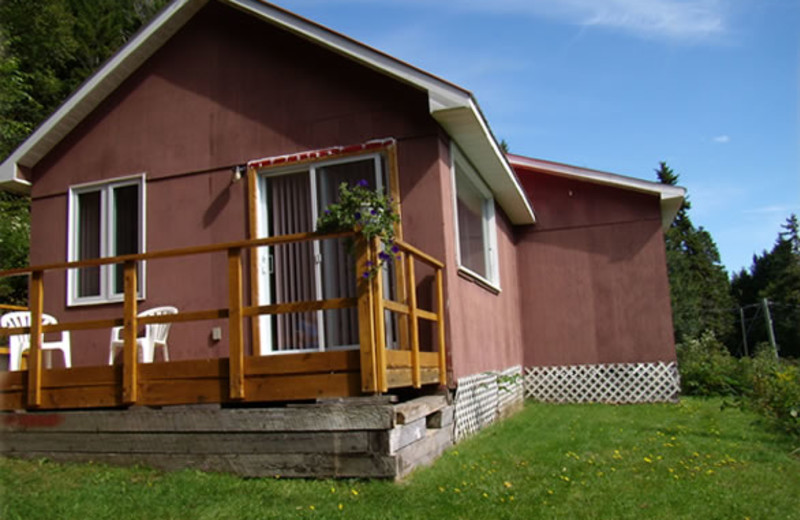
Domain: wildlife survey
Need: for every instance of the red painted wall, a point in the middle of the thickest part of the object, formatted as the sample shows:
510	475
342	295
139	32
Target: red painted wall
593	275
225	89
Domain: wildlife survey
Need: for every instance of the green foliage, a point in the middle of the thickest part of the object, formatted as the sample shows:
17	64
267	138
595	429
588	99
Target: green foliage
370	212
707	368
14	238
699	286
774	390
49	47
689	460
764	384
775	275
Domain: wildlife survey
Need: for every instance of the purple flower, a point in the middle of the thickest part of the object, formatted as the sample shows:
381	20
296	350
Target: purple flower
384	255
357	215
365	275
373	211
369	263
395	249
363	183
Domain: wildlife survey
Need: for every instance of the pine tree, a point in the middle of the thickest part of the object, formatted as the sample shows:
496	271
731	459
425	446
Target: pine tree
699	286
775	275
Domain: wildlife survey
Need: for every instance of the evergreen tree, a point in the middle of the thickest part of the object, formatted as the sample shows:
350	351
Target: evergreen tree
775	275
47	49
699	286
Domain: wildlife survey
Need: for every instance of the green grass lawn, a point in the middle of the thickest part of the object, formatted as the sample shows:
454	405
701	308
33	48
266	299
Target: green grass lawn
690	460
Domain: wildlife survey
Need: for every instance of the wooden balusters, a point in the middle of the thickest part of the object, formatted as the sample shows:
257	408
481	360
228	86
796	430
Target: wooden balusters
413	320
36	300
130	349
235	324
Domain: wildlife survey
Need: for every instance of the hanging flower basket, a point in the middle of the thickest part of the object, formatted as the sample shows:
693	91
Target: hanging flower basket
369	212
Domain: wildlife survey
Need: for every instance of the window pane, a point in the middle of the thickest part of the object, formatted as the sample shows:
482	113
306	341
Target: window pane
126	228
89	205
471	239
338	266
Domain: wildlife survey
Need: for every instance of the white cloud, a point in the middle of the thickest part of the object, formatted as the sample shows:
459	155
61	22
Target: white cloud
722	139
681	20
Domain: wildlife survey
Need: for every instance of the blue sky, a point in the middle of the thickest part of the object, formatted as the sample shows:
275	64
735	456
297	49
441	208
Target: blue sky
709	86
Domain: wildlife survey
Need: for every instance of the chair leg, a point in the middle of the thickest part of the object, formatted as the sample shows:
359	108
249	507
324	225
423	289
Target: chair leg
165	350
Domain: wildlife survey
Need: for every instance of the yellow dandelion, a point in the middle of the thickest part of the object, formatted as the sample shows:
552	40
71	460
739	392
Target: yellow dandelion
341	506
333	490
549	491
354	492
441	489
312	508
507	484
648	460
485	495
456	490
511	498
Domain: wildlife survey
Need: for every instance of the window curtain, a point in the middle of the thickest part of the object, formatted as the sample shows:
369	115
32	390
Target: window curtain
293	278
89	206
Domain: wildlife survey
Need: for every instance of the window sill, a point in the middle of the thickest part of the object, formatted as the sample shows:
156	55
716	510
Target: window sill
110	301
478	280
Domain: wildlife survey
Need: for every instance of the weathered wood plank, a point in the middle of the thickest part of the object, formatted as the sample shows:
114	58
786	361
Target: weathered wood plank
420	407
288	465
443	418
313	419
185	443
424	451
404	434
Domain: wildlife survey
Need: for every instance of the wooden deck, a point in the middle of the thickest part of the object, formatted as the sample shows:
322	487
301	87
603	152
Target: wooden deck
239	378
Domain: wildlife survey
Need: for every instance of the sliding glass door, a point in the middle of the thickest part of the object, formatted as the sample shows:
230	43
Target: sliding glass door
290	201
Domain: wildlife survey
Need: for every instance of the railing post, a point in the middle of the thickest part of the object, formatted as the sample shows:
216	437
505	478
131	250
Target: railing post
416	379
235	324
380	321
440	325
36	299
130	349
366	323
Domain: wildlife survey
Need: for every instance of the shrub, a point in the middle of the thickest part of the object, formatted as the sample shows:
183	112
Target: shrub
708	369
774	390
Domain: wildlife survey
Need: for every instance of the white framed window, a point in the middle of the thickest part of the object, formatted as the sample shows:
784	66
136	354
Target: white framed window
476	236
104	219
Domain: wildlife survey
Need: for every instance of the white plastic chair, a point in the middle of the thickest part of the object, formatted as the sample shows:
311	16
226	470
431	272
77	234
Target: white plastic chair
155	335
19	343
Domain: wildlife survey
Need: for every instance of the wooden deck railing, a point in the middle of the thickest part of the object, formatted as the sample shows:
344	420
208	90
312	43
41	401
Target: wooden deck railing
380	369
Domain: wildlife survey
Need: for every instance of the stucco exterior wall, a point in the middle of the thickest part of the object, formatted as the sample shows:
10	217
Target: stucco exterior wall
593	275
226	89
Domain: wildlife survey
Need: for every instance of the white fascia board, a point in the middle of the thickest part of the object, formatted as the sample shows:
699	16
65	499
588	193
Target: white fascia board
468	129
671	197
95	90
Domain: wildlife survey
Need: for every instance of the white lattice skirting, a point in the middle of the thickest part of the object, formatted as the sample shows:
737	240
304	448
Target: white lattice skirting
609	383
482	398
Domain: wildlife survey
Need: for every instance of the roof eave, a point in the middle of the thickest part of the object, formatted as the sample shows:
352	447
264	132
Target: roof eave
467	127
670	197
95	89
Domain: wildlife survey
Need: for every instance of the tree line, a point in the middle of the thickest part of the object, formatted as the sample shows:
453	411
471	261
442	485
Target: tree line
735	310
